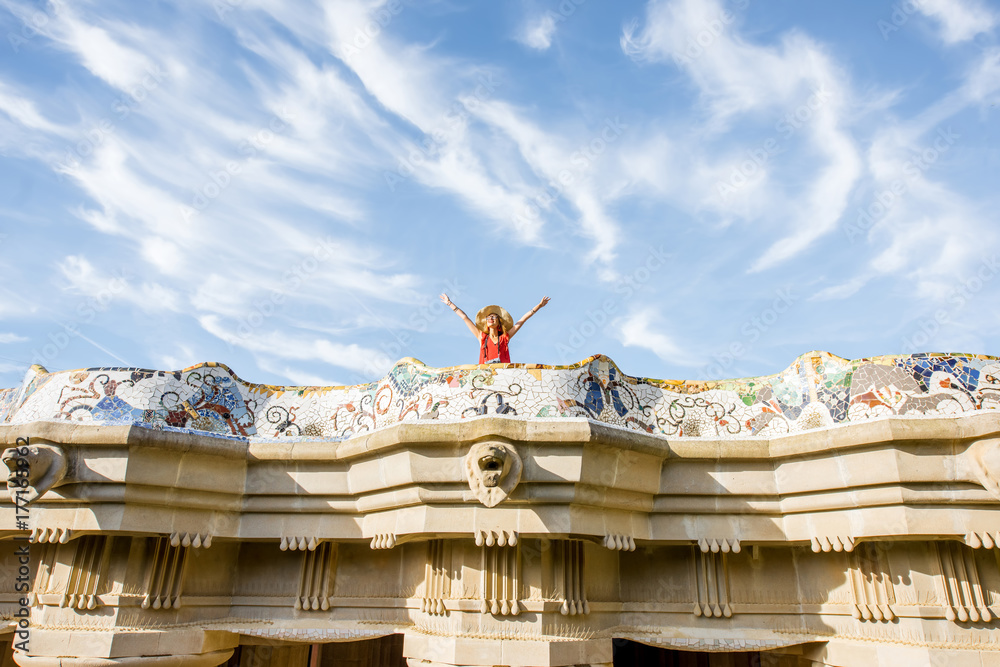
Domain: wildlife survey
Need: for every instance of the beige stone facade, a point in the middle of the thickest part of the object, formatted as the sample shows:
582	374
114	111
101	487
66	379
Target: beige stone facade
498	541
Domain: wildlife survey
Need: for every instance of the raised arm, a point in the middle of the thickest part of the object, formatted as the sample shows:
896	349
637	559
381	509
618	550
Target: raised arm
458	311
517	325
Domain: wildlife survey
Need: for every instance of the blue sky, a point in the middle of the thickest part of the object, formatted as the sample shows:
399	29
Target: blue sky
705	189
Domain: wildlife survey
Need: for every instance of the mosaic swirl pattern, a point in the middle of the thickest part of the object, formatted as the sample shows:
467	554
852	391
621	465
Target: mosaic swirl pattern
817	390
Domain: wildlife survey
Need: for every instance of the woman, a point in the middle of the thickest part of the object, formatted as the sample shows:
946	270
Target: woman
494	329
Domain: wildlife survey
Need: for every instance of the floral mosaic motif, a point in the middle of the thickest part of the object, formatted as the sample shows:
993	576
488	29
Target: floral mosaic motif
818	390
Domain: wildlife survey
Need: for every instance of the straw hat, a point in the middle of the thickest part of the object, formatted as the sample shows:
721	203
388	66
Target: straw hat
505	318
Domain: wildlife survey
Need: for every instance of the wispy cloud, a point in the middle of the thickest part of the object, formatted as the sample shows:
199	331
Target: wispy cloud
24	112
287	183
646	329
924	227
271	344
537	32
738	79
960	20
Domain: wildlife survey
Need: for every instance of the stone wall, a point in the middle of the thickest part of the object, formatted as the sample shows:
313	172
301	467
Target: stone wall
508	536
817	390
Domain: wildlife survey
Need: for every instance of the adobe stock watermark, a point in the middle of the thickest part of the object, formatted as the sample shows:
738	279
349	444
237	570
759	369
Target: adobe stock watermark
563	11
32	26
291	282
581	160
366	34
98	134
758	158
964	292
220	179
223	7
595	320
755	327
901	13
419	319
710	31
454	118
18	483
86	312
912	169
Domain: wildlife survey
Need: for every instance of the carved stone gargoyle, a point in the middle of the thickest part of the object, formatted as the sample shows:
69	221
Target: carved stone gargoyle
493	469
46	468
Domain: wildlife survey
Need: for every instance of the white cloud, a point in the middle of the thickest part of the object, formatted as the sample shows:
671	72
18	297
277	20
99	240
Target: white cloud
12	338
537	32
362	360
842	291
24	111
924	228
156	297
960	20
103	53
87	280
644	328
297	377
183	358
739	80
101	288
153	197
165	255
444	99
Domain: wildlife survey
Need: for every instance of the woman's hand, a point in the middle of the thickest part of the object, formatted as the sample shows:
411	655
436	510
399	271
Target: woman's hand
461	313
542	303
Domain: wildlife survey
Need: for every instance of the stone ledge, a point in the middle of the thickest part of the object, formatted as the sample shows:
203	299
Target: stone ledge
899	431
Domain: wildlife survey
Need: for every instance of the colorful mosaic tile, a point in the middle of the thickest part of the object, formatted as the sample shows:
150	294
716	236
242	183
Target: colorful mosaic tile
817	390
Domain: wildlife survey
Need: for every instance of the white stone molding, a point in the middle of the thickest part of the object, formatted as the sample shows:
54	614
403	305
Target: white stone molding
871	584
711	584
42	535
983	540
492	469
437	579
500	579
619	542
212	659
194	540
300	543
960	587
569	570
837	543
500	538
717	545
164	579
317	577
383	541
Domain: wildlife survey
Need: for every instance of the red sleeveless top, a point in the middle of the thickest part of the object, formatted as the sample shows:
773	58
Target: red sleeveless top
493	353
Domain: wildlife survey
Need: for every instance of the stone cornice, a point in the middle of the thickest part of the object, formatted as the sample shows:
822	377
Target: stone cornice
577	474
900	431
